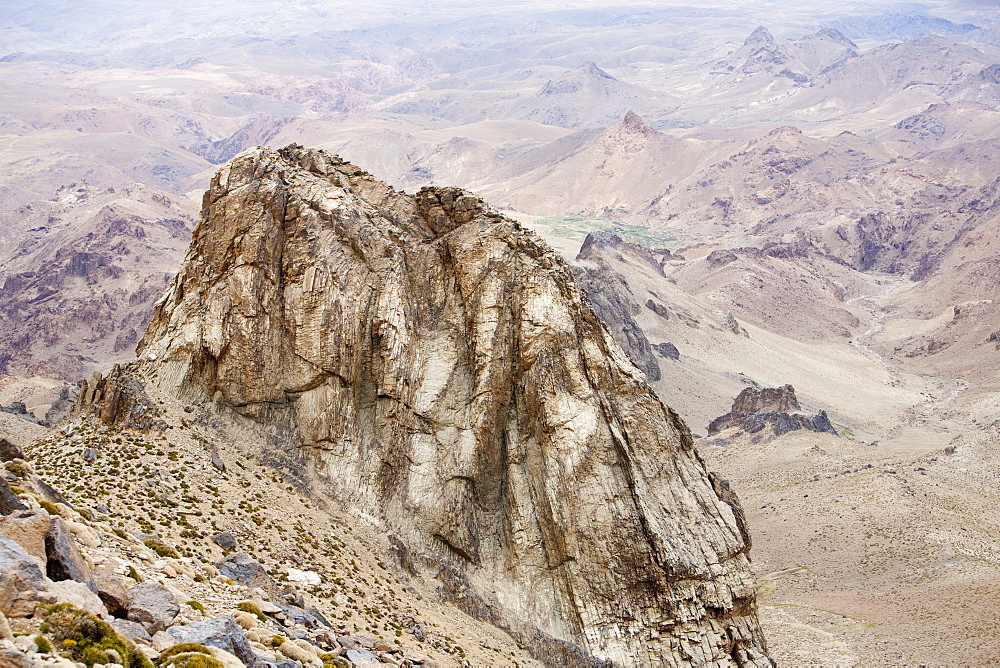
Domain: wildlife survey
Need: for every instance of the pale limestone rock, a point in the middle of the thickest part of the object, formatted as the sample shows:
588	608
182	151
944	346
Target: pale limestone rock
163	640
433	363
27	528
84	534
77	593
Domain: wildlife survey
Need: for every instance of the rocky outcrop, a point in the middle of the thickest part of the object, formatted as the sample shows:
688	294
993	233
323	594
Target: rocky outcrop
776	407
608	295
434	364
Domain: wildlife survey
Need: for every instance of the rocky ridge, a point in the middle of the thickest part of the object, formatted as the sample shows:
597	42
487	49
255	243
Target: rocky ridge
440	361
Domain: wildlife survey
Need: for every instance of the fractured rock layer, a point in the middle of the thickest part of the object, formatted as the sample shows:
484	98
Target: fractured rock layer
437	367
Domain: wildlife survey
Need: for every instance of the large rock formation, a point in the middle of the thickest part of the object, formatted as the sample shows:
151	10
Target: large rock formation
434	364
776	407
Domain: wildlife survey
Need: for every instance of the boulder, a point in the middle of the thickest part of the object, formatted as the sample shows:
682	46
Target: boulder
311	618
245	570
309	578
362	657
153	606
111	589
21	580
226	541
9	502
163	640
11	658
46	491
131	630
27	528
77	593
64	561
9	451
222	632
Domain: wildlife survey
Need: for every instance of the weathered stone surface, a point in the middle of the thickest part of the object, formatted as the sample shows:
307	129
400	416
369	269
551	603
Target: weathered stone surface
5	631
246	570
131	630
442	360
614	306
222	632
29	529
310	618
46	491
226	541
9	451
362	657
152	605
11	658
111	589
64	561
667	350
767	400
757	409
9	502
21	579
77	593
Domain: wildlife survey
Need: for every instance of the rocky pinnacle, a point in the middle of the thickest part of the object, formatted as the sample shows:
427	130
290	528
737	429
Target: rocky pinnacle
433	364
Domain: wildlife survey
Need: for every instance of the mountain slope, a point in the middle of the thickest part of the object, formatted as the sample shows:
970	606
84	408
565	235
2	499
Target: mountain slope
431	363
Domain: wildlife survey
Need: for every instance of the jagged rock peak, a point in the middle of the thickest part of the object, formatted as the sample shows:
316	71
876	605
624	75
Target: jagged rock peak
588	75
834	35
431	363
769	399
760	35
590	68
633	123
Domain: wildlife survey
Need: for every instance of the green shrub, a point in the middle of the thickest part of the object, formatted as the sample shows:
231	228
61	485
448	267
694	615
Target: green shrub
252	608
276	641
48	507
18	469
134	574
182	648
197	606
161	549
44	646
89	640
193	660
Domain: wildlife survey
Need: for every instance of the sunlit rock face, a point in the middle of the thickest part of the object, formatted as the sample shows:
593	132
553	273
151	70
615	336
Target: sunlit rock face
432	363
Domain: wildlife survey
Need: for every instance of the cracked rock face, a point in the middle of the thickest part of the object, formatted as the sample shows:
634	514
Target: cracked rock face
435	366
